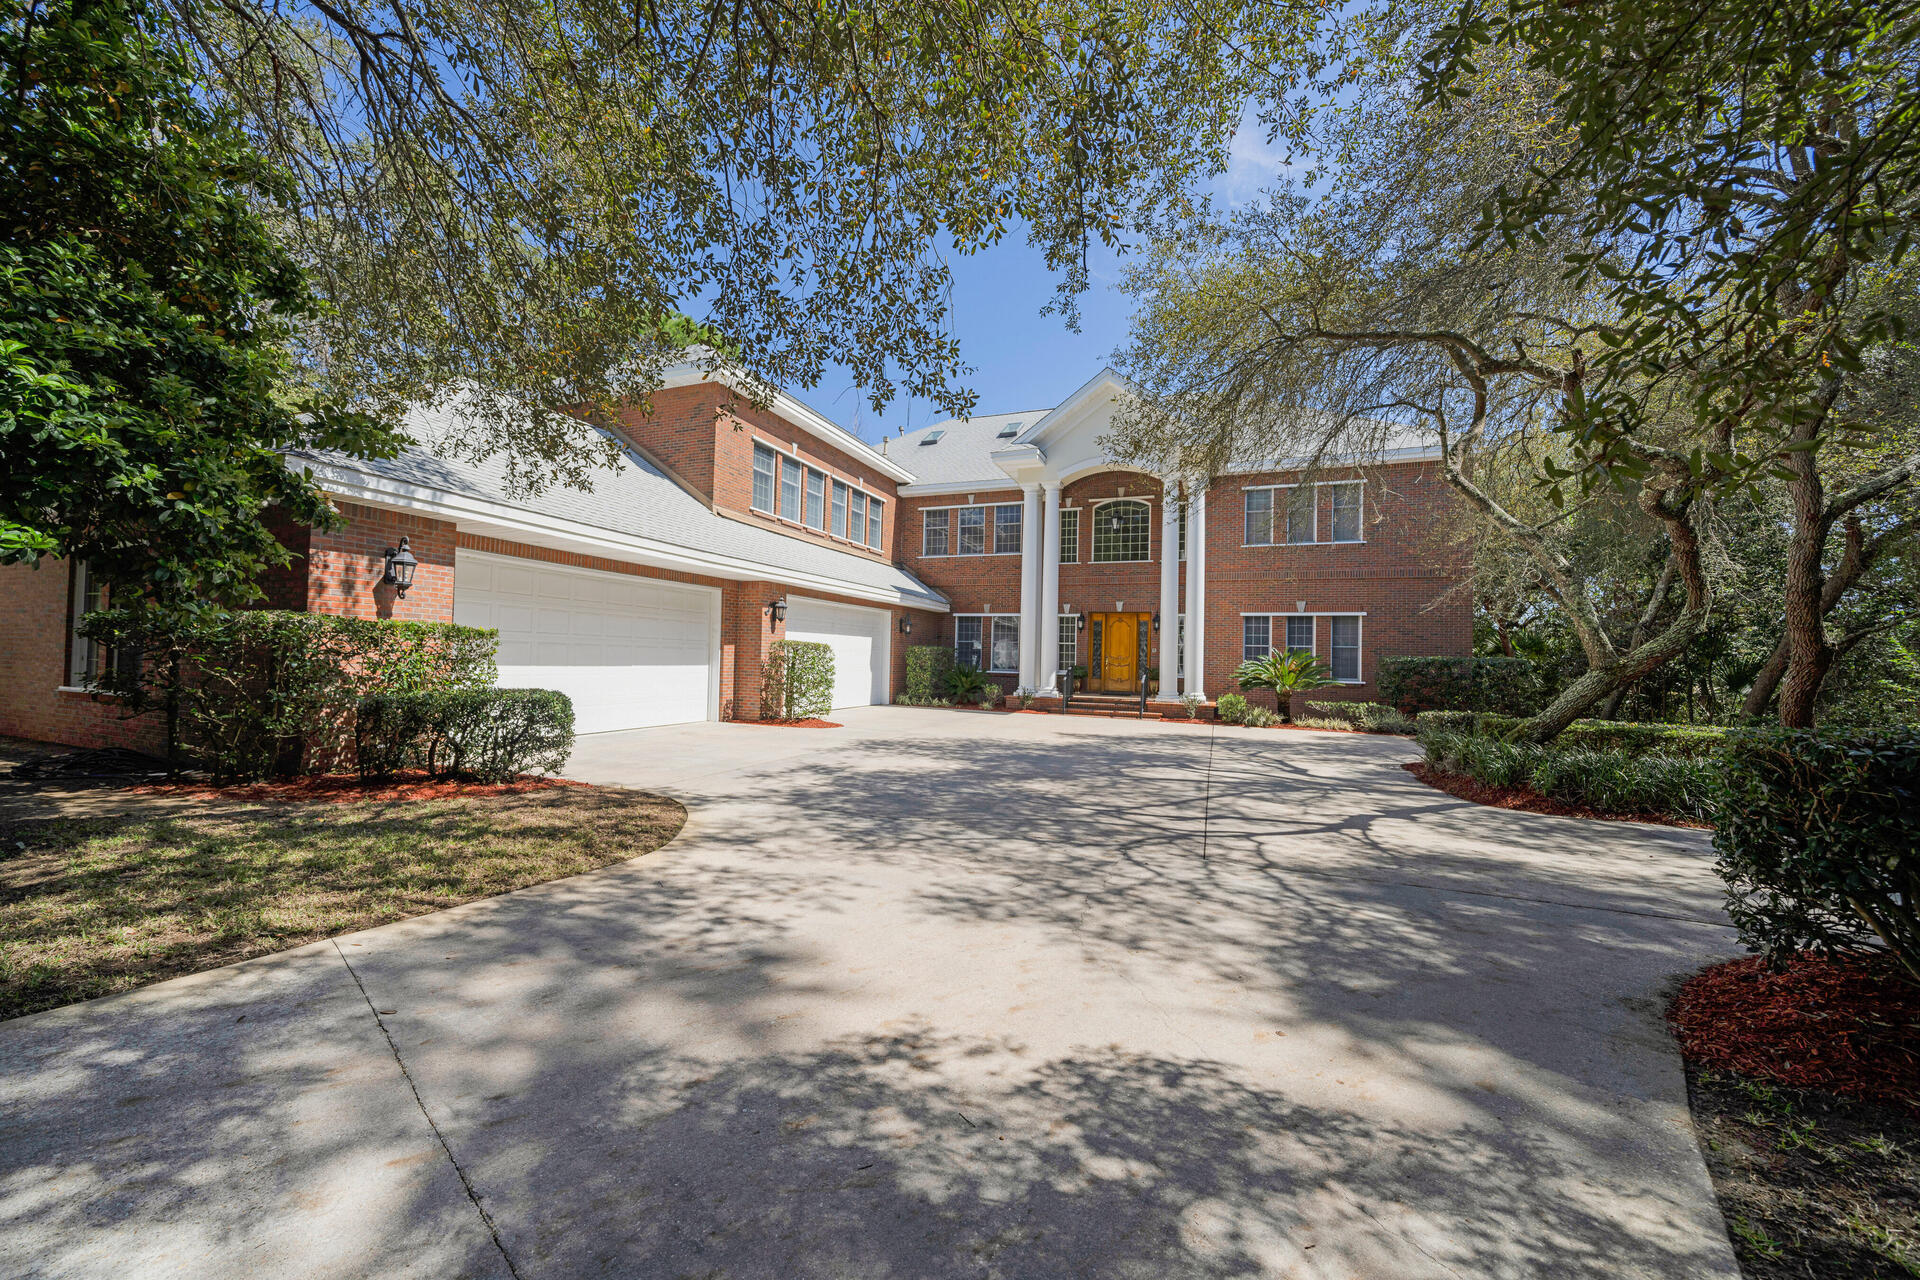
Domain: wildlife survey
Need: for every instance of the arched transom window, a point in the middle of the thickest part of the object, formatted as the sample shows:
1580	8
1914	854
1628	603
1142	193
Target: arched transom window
1120	531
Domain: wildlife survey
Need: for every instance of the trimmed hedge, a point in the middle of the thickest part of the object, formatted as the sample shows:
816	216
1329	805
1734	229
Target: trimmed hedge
1610	781
1591	735
1371	717
270	692
927	667
1231	707
1819	841
797	683
1506	686
490	735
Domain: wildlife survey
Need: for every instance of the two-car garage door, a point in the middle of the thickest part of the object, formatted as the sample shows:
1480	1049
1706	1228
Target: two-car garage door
629	651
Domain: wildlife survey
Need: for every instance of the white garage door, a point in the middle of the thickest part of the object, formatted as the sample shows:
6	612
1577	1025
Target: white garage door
859	639
629	651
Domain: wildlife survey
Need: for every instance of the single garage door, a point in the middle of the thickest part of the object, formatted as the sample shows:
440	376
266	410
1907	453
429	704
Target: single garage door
629	651
859	640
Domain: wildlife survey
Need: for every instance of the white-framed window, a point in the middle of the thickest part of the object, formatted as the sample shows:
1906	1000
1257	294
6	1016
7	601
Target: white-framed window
83	655
1296	632
1070	535
1180	648
967	629
1346	648
1303	510
816	500
874	507
764	470
1256	636
973	532
936	526
1183	531
987	642
1069	653
791	474
857	516
1122	531
1007	529
1259	518
1349	499
839	529
1006	643
1300	634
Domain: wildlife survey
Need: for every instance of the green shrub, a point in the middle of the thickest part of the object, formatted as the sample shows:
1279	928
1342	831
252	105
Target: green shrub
1666	739
1285	674
1609	781
797	682
1373	717
1819	840
927	667
270	692
1232	708
967	684
1507	686
1191	703
491	735
1259	718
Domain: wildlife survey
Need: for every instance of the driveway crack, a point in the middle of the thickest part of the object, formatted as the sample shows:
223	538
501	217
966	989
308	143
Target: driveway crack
486	1218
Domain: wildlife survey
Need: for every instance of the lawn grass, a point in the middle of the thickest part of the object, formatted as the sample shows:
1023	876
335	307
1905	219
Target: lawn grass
1811	1184
89	907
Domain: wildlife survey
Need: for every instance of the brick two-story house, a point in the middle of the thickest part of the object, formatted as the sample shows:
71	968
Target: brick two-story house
653	597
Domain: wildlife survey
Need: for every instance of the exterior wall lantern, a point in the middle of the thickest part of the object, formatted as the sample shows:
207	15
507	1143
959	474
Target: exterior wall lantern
906	624
1156	624
778	611
1080	622
400	567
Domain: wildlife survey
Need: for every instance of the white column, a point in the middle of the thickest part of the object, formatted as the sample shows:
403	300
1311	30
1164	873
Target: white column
1050	589
1196	585
1030	588
1169	587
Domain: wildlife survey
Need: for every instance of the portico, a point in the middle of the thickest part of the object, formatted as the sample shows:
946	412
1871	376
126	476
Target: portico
1129	639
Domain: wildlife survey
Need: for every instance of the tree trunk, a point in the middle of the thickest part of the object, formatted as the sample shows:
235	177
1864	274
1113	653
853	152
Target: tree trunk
1658	597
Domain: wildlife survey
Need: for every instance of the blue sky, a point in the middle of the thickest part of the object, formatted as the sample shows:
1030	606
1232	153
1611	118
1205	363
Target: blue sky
1023	360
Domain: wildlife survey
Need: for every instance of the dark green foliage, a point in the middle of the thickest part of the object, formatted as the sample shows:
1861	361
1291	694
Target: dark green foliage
1372	717
797	683
1665	739
967	684
1232	708
1819	840
1610	781
927	667
1506	686
267	692
1285	674
487	735
145	315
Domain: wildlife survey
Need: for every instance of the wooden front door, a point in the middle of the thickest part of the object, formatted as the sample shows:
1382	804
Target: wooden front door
1120	653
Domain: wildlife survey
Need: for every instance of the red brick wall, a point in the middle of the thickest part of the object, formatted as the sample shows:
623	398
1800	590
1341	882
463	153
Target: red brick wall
706	433
346	565
33	667
1408	577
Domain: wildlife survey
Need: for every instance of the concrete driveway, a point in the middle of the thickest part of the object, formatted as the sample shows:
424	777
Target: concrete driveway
933	995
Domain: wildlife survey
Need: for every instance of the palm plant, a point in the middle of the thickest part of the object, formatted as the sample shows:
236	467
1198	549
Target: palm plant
1286	674
967	684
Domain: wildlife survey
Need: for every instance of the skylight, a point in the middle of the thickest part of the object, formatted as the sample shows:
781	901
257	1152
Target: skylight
1009	431
932	437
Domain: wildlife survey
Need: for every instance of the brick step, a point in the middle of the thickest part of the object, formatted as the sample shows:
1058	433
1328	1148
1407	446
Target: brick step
1107	712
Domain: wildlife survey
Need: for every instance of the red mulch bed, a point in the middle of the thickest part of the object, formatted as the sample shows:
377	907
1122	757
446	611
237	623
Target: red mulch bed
337	788
1528	800
1849	1025
812	722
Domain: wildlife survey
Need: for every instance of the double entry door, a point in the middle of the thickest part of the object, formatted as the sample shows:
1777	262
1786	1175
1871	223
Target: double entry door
1119	648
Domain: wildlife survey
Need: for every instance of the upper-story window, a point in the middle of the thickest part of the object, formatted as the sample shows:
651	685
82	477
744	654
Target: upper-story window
790	480
973	531
816	500
936	531
1346	506
764	469
1294	523
857	518
1070	536
839	525
874	506
1006	529
1121	531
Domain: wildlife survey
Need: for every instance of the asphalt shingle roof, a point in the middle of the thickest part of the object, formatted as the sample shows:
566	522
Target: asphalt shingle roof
637	499
963	452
